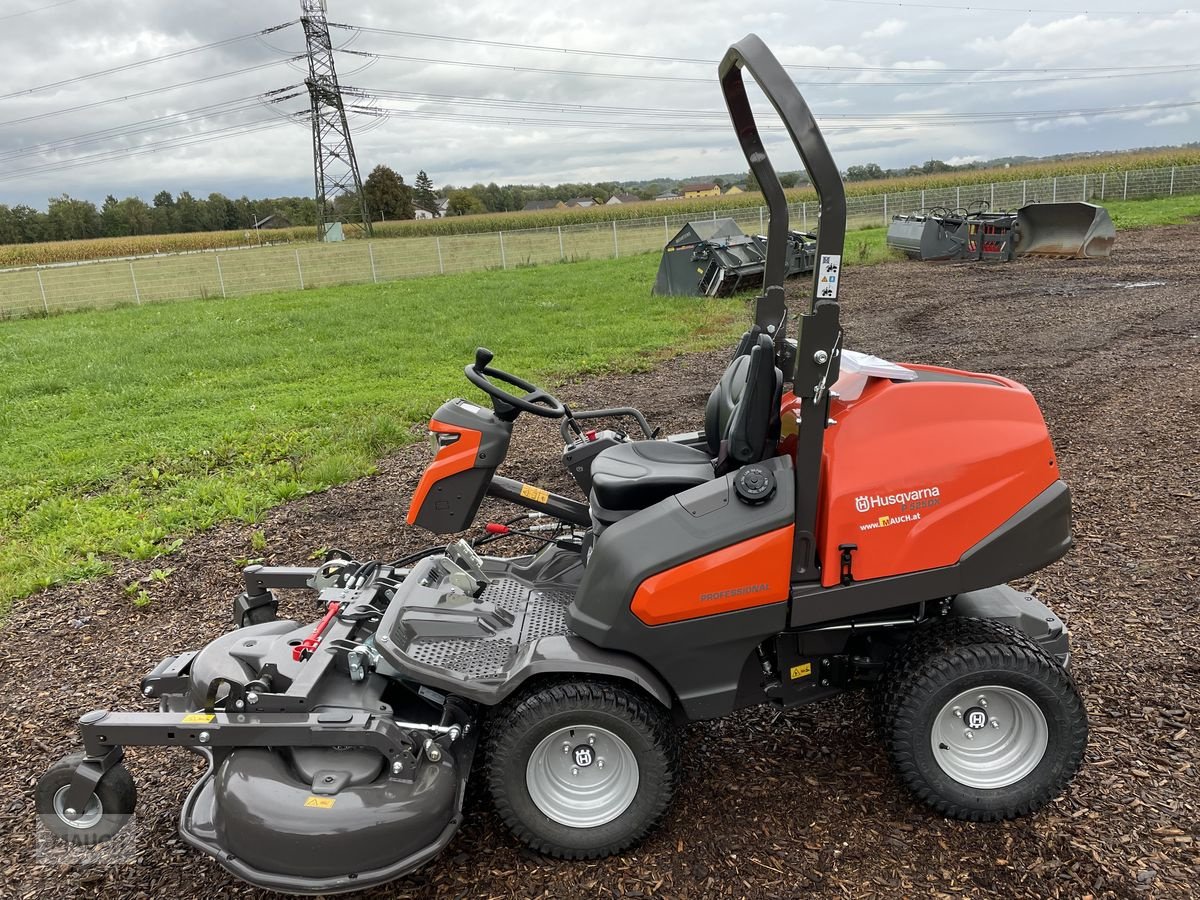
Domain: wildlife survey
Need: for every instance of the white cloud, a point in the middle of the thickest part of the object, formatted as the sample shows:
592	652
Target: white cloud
886	28
900	70
1175	118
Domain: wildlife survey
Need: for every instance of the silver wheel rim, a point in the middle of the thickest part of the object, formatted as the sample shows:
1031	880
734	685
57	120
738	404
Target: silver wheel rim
92	813
582	776
989	737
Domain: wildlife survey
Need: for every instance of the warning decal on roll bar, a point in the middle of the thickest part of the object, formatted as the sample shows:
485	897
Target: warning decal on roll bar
827	276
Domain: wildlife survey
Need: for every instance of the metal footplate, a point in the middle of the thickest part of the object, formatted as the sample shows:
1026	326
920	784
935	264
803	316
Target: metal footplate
464	642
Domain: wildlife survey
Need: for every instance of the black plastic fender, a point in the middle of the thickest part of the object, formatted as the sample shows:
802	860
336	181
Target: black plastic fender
1022	611
572	655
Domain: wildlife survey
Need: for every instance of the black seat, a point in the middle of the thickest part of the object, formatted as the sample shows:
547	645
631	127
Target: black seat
741	426
640	473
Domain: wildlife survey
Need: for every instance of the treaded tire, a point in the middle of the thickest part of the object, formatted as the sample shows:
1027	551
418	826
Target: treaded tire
960	654
935	632
519	726
115	791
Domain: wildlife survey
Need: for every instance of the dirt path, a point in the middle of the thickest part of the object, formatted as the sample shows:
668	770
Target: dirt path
799	804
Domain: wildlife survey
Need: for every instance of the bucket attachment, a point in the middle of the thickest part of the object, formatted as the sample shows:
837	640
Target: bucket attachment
1061	230
714	258
1064	230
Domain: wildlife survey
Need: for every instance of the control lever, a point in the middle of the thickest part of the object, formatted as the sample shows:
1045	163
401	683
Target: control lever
468	563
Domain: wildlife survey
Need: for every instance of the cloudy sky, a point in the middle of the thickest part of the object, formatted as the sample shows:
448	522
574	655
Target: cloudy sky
891	82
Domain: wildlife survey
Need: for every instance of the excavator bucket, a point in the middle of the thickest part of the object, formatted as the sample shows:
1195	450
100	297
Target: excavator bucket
1064	230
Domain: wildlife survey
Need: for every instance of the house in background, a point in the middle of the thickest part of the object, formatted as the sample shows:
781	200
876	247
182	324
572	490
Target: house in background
274	220
542	204
443	205
701	189
622	198
667	195
582	202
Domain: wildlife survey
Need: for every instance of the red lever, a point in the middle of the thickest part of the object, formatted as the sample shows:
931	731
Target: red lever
496	528
305	648
591	435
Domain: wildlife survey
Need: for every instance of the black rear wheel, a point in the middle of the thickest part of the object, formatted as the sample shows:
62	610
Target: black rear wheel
980	722
582	770
106	812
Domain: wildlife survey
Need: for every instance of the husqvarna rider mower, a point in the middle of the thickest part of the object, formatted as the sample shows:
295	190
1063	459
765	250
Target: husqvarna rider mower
838	522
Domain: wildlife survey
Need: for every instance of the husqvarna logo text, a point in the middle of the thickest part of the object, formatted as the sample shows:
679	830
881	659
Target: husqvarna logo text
907	500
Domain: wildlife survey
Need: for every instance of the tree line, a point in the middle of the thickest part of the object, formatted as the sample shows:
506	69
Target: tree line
387	196
67	218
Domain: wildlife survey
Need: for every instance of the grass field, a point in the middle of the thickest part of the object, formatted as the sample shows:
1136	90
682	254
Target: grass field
126	429
236	273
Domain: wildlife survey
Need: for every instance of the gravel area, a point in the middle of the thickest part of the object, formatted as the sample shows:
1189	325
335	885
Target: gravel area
779	805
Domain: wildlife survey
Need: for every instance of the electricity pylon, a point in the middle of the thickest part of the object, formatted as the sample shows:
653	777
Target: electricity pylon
335	170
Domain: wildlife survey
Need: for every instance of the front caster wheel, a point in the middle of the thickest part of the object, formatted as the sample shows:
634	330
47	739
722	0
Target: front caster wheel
980	723
582	770
107	810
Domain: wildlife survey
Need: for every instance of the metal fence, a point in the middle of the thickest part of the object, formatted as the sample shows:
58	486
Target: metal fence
230	273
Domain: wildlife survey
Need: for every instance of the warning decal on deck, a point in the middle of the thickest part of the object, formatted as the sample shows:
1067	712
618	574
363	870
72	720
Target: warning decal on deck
828	273
801	671
320	802
535	494
197	719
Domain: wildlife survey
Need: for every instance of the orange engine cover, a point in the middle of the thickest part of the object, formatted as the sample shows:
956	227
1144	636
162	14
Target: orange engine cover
916	473
750	573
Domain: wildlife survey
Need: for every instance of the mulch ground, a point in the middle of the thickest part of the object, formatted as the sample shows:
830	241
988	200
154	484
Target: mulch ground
793	804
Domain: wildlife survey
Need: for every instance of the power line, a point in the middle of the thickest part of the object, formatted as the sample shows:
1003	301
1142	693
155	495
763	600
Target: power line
144	62
146	93
184	117
845	122
611	54
36	9
169	144
708	81
719	114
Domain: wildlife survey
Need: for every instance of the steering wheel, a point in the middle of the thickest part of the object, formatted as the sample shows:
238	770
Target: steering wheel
535	400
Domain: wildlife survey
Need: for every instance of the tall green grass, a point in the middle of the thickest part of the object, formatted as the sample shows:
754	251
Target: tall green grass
127	429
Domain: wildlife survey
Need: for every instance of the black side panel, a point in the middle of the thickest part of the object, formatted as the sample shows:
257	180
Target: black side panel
701	659
451	504
1032	539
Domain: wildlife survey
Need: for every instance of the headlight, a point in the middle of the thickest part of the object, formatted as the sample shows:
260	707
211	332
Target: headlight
440	439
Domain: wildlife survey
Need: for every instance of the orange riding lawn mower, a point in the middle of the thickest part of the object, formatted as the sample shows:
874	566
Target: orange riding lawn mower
838	522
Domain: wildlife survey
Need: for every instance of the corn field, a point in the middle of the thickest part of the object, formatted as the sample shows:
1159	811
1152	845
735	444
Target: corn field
54	252
40	290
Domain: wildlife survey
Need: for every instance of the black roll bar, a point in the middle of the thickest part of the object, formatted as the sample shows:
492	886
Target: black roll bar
819	336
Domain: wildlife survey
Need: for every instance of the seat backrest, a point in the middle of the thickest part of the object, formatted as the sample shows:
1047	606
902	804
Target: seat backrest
741	420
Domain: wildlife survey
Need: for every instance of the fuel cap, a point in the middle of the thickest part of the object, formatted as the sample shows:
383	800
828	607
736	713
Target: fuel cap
754	485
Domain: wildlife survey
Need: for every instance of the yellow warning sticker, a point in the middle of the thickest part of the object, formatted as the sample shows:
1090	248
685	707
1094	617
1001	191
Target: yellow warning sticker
197	719
320	802
535	493
801	671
